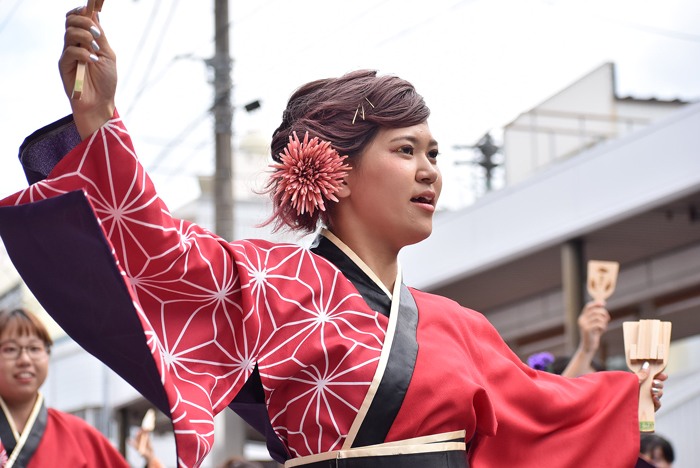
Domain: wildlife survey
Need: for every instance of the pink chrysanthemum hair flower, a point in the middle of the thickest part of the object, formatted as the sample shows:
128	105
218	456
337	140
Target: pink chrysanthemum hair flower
310	171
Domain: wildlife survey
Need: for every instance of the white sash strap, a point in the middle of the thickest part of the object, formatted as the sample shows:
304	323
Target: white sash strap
445	442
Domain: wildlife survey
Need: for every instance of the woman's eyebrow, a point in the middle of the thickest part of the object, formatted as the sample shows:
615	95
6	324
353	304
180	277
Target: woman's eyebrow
413	140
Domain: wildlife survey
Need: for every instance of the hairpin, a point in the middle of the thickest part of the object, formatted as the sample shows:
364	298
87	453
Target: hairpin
361	106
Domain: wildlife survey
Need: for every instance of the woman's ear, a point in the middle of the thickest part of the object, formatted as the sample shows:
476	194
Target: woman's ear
344	190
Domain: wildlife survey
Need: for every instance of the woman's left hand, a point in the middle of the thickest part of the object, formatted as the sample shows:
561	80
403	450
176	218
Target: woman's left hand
657	385
657	390
85	41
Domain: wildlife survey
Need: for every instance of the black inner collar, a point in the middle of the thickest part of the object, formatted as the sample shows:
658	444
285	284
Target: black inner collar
373	295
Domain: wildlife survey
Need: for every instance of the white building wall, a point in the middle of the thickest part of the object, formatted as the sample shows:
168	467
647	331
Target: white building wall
579	117
597	188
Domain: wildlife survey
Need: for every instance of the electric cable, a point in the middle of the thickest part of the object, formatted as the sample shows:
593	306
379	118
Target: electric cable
175	142
9	16
154	57
670	33
142	42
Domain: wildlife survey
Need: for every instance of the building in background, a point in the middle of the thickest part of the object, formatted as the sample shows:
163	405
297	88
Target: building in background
589	176
579	117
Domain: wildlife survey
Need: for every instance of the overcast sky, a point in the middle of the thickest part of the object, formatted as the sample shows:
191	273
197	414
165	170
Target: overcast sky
478	63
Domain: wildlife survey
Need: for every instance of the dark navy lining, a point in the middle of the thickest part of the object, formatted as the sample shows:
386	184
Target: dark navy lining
373	295
397	376
60	250
33	439
6	435
404	349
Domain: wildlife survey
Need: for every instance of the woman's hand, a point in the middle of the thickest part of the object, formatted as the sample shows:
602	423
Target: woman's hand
657	385
85	41
142	444
592	323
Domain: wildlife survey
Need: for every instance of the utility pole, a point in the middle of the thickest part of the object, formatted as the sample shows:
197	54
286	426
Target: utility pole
223	126
230	429
488	149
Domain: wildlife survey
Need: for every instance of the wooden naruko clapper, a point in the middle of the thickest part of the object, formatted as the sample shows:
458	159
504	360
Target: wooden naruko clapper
645	341
92	6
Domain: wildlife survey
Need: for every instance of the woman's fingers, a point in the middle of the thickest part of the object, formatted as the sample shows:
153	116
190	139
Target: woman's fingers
72	55
79	37
657	390
91	25
74	11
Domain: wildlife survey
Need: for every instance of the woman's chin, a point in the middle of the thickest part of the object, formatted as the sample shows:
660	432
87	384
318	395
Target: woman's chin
416	236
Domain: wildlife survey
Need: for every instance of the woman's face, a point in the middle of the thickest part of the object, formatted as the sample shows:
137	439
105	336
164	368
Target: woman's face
658	457
395	186
21	377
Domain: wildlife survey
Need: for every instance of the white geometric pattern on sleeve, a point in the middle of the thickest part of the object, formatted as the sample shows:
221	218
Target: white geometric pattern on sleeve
211	311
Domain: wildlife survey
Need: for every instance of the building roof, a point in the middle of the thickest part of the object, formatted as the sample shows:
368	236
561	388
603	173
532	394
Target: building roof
597	188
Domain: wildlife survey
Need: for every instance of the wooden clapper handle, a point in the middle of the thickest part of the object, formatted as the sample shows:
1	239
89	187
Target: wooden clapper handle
147	426
647	341
92	6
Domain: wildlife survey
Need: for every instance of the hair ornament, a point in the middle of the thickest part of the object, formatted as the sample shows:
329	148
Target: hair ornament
361	105
309	172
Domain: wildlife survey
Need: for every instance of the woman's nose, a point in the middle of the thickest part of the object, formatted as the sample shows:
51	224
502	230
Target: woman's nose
428	171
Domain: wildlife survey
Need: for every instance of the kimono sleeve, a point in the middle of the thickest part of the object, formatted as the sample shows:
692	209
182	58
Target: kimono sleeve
548	420
70	441
166	304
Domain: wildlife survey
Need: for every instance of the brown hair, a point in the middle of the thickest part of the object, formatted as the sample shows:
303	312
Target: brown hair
24	323
326	109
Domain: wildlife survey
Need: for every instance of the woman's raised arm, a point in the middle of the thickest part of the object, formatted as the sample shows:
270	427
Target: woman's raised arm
86	41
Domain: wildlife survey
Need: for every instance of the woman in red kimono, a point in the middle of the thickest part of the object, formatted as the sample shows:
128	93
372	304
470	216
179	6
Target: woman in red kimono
32	435
325	351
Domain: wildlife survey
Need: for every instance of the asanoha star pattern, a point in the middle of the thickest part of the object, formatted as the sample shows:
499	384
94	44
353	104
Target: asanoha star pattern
211	310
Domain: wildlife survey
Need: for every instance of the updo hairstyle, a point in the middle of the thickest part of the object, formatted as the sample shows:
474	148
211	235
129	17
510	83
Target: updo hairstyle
326	109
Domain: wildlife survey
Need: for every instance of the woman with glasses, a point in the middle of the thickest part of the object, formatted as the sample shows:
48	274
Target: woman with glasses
32	435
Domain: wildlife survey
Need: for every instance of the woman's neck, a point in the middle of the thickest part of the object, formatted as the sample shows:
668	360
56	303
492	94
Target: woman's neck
380	258
20	412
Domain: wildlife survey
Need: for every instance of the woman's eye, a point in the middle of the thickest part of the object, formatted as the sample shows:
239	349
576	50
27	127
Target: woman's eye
406	150
433	154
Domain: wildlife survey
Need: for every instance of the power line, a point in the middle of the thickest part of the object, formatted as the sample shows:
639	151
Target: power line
178	171
144	84
13	10
411	28
175	142
142	42
291	58
670	33
154	57
654	30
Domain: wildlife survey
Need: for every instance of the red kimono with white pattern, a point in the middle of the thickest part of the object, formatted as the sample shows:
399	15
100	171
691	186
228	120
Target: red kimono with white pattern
212	310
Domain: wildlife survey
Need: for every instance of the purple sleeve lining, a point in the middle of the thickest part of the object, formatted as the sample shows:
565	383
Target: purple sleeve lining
45	148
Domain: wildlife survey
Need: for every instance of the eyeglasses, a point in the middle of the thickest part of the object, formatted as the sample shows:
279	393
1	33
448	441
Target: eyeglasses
36	352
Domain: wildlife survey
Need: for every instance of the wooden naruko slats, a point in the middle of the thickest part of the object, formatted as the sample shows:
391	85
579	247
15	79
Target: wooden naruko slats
647	341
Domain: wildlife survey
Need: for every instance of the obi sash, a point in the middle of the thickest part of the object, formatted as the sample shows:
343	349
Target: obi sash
21	448
446	450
